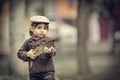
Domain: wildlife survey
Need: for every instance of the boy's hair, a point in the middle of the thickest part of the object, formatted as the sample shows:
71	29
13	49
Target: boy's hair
34	24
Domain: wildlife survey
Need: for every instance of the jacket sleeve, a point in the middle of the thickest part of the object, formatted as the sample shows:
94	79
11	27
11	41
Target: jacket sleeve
22	52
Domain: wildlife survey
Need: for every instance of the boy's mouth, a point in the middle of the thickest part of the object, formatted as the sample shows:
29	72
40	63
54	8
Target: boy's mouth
42	34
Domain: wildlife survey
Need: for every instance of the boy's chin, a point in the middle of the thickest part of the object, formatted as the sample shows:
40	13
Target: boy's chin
41	35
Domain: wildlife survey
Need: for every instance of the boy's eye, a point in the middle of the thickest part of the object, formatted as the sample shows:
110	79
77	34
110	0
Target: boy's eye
39	27
45	28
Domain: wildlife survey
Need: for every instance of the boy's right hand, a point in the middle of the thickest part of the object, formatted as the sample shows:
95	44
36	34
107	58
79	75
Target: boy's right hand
31	54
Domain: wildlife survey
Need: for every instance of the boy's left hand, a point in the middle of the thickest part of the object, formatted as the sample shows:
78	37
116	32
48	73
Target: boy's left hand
49	50
53	49
46	50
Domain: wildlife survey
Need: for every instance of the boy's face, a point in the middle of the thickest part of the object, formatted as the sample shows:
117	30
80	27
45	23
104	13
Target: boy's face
40	30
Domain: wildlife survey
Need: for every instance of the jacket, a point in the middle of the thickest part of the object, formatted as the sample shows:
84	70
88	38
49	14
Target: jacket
43	62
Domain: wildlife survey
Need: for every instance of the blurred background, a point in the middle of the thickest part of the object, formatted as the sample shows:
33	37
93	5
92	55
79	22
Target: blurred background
89	33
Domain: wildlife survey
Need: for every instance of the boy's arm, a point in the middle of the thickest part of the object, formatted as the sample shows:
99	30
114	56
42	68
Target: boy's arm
22	52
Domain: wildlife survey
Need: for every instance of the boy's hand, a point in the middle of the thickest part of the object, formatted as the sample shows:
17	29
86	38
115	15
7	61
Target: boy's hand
48	50
31	54
53	49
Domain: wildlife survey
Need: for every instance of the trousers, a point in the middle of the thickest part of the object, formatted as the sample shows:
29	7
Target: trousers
42	76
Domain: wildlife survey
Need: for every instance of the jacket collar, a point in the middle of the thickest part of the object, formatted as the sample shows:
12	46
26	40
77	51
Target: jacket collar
35	38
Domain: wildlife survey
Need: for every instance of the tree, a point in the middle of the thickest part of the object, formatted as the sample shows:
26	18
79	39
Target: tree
113	9
81	37
17	35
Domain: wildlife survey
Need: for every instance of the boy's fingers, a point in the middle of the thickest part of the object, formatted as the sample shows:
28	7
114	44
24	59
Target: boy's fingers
53	49
33	57
45	48
31	50
33	54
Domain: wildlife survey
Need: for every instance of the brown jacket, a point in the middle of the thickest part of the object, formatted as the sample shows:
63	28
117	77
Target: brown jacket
43	63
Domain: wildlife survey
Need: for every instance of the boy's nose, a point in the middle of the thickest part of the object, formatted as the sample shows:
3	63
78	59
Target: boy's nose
42	31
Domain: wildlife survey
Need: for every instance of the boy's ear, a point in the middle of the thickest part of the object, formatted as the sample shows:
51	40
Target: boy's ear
31	28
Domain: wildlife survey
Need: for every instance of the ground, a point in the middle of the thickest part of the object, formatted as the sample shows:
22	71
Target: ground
103	67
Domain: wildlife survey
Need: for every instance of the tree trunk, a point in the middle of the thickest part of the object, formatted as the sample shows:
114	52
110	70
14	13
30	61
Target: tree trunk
17	36
82	34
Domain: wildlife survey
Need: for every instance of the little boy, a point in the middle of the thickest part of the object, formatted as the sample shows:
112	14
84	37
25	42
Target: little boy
40	67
